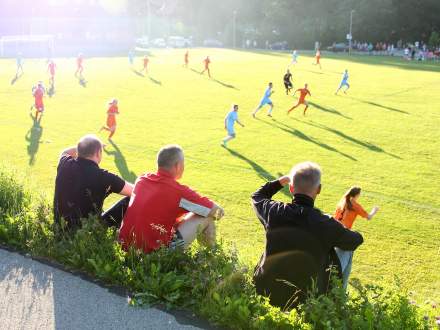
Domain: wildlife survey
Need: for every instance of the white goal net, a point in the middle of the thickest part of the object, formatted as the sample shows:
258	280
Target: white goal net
28	45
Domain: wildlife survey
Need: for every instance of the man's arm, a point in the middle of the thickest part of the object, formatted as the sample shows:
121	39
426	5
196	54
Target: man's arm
240	123
127	189
69	152
342	237
262	198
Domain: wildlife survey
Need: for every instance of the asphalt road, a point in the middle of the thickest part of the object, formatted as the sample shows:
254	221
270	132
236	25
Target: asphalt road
34	295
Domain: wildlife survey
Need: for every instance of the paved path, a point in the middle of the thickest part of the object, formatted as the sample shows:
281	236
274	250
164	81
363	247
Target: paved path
37	296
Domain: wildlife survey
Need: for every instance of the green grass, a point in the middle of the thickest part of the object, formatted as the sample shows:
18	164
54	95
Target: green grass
382	136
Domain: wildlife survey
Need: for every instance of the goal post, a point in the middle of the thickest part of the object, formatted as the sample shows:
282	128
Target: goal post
38	45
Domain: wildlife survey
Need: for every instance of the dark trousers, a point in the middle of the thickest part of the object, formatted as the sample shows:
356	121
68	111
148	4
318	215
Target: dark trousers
114	215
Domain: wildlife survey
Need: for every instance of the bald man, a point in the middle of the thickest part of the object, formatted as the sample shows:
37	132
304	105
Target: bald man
300	239
81	186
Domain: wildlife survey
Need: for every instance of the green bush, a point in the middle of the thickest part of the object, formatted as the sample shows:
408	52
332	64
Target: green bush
210	282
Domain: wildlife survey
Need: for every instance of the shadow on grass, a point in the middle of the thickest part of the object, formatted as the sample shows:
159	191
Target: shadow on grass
224	84
379	105
16	77
367	145
329	110
297	133
262	173
121	163
33	137
155	81
82	82
136	72
51	90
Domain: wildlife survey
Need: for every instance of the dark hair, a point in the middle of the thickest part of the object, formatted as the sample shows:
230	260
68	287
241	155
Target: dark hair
352	192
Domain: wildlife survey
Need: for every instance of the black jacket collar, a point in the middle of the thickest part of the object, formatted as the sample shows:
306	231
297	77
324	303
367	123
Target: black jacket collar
303	200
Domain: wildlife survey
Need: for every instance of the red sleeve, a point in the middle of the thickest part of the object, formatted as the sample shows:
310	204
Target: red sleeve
191	201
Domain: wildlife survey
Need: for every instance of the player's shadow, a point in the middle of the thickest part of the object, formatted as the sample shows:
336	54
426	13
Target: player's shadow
155	81
136	72
224	84
380	105
329	110
297	133
121	163
351	139
51	90
196	71
82	82
33	137
262	173
16	77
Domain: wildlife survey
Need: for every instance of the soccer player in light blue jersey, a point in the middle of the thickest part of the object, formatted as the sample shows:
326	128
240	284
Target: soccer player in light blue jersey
19	61
266	100
230	120
294	57
131	57
344	82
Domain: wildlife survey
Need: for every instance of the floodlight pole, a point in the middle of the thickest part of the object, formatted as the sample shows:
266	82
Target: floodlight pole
350	33
149	18
234	27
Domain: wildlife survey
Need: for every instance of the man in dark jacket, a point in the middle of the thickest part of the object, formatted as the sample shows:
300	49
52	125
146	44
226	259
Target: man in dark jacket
300	240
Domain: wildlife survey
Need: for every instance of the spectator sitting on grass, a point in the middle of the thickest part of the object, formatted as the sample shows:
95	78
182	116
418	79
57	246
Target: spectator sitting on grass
346	212
300	240
162	212
81	186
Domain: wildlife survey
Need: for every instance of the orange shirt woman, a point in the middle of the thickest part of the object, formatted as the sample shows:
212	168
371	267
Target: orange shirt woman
348	208
111	115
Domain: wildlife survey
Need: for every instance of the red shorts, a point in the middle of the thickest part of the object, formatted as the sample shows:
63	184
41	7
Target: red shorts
39	106
302	101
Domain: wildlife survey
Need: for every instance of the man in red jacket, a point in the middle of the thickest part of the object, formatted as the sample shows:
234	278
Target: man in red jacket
163	212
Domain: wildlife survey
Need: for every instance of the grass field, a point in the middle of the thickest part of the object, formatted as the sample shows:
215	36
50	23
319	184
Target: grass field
383	135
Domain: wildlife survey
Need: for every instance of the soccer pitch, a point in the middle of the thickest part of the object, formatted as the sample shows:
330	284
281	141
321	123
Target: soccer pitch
383	135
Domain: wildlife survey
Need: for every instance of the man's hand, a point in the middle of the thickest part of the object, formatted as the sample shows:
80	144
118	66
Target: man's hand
217	212
284	180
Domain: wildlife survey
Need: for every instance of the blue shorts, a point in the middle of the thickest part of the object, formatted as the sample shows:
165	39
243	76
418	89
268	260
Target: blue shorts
344	83
231	132
264	102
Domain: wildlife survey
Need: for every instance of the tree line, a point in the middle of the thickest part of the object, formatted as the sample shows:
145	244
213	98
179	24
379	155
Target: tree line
299	22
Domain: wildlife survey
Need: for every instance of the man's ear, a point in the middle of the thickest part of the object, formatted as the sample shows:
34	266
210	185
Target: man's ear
319	190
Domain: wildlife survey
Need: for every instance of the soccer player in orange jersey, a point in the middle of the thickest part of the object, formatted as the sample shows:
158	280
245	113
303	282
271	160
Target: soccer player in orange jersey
112	111
51	67
146	60
318	58
303	92
38	93
207	61
186	59
79	65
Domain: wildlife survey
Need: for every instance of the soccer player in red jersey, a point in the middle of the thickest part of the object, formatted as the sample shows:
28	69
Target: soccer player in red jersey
51	67
318	58
146	60
303	92
38	93
207	61
112	111
79	65
186	59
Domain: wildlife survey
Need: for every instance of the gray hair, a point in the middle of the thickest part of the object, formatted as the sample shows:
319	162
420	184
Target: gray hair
305	177
88	146
169	156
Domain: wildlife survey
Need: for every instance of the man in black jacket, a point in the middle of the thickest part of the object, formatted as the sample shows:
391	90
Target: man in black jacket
300	240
